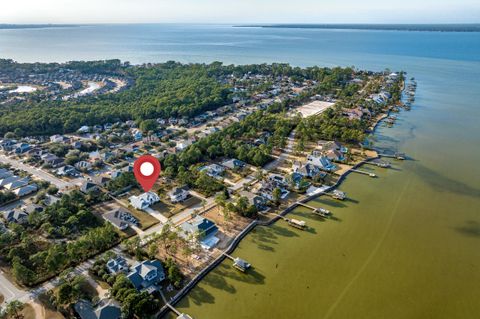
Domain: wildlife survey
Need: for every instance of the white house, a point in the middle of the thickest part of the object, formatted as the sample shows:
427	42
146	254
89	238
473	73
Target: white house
178	195
144	201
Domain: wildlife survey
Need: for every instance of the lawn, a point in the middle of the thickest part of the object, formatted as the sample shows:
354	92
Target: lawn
168	210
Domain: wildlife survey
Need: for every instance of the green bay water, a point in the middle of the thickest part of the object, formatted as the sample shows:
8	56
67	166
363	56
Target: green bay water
405	245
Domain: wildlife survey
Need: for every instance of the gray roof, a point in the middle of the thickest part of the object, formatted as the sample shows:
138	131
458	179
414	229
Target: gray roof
141	270
107	309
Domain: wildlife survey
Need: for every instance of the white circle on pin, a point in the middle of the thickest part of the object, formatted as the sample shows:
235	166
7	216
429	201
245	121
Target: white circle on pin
146	169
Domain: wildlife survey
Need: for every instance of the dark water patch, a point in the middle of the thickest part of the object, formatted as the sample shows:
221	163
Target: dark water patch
284	232
217	280
442	183
335	218
200	296
351	200
331	202
251	276
471	228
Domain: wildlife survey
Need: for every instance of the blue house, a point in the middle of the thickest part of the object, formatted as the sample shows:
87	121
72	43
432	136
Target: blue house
21	148
204	228
199	225
146	275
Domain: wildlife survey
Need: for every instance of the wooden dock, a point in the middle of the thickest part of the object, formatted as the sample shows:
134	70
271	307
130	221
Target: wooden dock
383	164
300	224
317	211
178	313
363	172
238	263
398	156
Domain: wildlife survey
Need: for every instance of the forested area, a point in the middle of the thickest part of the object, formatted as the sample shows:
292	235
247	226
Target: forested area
65	234
162	90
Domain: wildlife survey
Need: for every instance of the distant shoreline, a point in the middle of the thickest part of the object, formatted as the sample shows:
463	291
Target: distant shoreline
35	26
474	27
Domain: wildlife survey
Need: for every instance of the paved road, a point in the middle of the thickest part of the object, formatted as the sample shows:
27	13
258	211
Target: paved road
8	290
39	173
286	152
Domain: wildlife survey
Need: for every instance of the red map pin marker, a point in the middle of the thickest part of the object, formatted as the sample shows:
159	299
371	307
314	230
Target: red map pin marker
146	169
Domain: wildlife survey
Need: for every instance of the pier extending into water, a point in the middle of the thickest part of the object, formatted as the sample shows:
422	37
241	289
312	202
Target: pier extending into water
363	172
300	224
383	164
398	156
238	263
178	313
317	211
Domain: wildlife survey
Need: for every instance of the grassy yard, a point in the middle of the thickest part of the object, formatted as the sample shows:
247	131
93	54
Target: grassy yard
168	209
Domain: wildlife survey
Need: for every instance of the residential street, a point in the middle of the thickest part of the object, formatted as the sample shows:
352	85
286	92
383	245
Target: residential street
40	174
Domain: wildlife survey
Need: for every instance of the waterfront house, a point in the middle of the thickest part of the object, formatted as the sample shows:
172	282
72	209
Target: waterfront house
178	194
202	229
317	159
144	200
335	155
106	309
117	265
258	201
267	188
145	276
307	170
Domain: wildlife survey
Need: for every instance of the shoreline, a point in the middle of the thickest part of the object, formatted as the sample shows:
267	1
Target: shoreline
236	241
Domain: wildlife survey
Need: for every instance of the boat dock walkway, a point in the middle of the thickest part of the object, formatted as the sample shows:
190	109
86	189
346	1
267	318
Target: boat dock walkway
178	313
383	164
363	172
398	156
317	211
307	206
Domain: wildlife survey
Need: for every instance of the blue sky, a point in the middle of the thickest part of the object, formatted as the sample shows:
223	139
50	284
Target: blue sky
240	11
